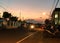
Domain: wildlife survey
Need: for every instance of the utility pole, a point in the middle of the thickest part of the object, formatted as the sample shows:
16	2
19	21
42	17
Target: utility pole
0	15
54	6
20	14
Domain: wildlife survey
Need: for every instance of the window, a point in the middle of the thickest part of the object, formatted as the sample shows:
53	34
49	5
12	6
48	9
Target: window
56	15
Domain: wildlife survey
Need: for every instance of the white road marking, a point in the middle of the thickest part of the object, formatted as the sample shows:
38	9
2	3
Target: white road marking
25	38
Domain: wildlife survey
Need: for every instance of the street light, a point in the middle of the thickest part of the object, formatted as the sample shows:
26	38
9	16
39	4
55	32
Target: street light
32	26
56	15
44	13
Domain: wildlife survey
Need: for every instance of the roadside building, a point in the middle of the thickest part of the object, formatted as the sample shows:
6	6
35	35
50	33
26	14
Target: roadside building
56	16
1	22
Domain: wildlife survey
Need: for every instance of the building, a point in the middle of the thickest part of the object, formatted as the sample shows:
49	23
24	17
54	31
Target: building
1	22
56	16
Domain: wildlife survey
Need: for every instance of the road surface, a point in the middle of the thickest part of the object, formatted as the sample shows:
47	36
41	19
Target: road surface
12	36
39	38
22	36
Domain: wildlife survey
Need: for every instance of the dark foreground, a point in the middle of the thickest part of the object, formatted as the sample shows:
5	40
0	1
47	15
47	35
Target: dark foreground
13	36
39	38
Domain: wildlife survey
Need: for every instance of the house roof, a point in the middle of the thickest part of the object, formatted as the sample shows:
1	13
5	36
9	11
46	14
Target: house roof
57	9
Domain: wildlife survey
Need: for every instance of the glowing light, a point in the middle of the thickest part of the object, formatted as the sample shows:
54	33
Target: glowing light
44	13
32	26
56	15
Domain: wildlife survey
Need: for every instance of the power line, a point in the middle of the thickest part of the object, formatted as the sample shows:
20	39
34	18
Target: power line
52	6
1	5
3	8
20	14
56	3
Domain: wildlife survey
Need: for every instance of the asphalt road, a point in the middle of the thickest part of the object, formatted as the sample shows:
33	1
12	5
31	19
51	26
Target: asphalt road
12	36
39	38
22	36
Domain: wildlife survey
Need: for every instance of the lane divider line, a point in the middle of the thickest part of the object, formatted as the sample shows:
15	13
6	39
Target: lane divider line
25	38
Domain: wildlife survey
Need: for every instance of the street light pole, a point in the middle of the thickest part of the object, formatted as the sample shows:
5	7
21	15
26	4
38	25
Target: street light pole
20	14
0	15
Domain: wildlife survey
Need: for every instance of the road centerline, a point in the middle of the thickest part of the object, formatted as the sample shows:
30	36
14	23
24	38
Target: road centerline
25	37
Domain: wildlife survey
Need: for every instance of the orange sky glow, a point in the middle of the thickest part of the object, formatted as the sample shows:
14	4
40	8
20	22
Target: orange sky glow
28	13
28	9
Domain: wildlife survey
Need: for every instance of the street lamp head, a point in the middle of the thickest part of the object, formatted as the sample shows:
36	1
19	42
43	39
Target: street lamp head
44	13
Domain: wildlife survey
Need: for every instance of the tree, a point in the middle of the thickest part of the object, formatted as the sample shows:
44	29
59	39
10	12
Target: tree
13	18
47	21
6	15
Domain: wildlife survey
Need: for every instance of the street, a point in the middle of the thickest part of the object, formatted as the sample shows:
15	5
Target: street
38	38
23	36
12	36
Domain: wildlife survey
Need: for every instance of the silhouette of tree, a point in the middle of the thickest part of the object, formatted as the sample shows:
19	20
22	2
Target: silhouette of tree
47	21
13	18
6	15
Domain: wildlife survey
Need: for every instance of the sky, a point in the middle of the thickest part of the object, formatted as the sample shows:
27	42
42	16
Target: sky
28	9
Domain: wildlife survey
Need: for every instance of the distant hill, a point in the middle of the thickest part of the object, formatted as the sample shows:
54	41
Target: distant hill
32	21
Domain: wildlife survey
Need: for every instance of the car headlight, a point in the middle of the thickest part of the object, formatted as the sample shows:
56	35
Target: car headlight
32	26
